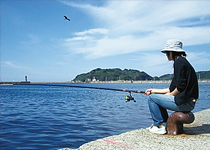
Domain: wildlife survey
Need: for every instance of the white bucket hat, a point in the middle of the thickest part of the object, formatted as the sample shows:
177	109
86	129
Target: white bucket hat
173	45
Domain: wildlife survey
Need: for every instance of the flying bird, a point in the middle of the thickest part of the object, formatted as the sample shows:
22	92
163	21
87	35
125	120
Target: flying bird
66	18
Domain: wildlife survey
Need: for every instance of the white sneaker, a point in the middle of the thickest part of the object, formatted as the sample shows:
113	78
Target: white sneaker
150	127
158	130
164	123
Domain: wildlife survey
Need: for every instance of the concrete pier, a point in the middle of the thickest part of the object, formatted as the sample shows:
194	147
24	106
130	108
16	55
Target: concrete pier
196	136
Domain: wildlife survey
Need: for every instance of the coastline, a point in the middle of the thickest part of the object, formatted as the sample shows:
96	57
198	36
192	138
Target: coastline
70	82
196	136
142	81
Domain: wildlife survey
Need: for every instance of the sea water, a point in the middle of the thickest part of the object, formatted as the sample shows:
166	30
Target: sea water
42	117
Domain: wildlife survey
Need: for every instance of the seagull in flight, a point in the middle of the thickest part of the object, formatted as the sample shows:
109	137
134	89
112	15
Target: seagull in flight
66	18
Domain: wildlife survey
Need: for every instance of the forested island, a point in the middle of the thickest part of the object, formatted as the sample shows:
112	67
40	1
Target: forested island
117	74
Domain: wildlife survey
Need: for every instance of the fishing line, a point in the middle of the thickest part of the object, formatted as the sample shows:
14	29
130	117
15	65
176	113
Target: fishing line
128	98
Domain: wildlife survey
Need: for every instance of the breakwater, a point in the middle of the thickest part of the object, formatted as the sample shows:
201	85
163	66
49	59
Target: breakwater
119	81
196	136
13	82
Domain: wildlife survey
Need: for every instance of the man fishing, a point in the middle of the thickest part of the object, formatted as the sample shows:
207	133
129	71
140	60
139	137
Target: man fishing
182	92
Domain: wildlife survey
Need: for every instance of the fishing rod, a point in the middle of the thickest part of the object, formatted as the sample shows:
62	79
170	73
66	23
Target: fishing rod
127	98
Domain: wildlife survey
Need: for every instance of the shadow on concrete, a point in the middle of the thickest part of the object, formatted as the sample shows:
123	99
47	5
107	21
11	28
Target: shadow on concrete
198	130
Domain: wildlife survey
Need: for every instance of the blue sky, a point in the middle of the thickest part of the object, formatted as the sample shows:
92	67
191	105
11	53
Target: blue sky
37	42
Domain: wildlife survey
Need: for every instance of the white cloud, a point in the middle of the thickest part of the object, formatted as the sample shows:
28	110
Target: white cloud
78	38
92	31
12	65
154	63
131	26
201	58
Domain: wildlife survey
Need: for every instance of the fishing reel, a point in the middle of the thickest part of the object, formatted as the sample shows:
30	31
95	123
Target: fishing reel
129	98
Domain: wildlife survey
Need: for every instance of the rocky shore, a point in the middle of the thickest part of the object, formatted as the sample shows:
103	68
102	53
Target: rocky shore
196	136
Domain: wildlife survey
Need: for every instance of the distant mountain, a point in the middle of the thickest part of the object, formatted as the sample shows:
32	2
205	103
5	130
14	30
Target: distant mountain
202	75
128	74
166	77
113	75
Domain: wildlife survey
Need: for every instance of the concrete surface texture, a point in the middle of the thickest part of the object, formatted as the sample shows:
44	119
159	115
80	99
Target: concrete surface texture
196	136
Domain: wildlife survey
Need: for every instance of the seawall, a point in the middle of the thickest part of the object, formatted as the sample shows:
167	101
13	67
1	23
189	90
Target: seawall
70	82
196	136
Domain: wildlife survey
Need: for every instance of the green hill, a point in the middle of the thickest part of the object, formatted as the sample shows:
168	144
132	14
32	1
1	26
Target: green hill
166	77
128	74
113	75
202	75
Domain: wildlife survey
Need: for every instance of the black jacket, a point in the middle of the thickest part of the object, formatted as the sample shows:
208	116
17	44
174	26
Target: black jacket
185	80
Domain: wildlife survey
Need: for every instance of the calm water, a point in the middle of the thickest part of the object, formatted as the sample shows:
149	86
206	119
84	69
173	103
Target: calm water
37	117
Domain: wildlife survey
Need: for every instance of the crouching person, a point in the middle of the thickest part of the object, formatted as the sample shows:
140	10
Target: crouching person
182	93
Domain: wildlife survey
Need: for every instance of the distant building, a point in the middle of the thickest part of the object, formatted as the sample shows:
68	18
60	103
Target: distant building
26	79
88	80
94	79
